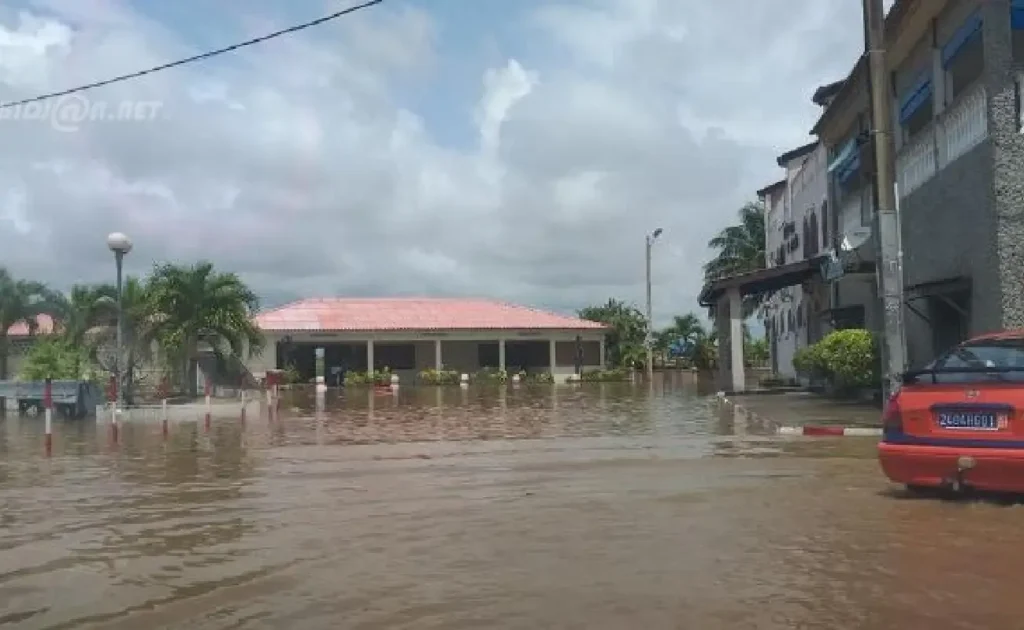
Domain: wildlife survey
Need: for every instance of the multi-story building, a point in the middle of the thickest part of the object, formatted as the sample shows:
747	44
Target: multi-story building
796	230
955	76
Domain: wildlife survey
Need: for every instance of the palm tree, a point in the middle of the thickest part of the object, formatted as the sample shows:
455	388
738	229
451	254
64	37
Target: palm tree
20	301
740	250
84	308
92	319
195	304
625	342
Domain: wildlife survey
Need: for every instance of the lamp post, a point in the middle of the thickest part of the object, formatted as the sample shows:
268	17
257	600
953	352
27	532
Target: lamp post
120	245
649	341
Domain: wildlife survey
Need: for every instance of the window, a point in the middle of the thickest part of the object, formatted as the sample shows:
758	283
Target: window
813	227
1007	356
963	57
917	106
867	205
824	223
394	356
807	240
1017	24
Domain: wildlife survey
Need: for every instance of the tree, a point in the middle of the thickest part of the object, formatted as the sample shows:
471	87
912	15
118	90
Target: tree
138	321
740	250
56	358
684	330
625	342
84	308
20	301
194	304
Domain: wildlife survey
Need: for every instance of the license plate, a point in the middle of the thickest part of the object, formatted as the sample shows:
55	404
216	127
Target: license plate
973	420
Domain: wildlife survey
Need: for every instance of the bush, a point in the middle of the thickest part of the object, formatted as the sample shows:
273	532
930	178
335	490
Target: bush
490	375
546	378
439	377
607	376
807	362
849	359
373	377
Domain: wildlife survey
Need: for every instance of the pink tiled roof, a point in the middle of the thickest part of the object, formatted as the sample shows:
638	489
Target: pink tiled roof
20	329
358	314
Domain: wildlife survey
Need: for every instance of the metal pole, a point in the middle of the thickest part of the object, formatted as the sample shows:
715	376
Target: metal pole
118	363
890	263
650	319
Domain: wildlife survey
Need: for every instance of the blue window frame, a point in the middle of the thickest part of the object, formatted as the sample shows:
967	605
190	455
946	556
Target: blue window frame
915	98
970	29
1017	14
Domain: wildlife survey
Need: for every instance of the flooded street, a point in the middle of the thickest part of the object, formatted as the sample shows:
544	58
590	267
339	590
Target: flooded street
589	507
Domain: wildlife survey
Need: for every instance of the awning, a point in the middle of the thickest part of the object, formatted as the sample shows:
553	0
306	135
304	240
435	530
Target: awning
763	280
845	154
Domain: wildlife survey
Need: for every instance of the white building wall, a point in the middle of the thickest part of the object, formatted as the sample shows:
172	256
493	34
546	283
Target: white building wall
787	313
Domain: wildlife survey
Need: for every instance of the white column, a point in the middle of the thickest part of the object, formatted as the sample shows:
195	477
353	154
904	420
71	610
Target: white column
438	358
501	354
551	354
736	340
601	356
369	355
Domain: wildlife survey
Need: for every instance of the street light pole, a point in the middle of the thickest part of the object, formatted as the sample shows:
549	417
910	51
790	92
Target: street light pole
649	339
120	245
890	259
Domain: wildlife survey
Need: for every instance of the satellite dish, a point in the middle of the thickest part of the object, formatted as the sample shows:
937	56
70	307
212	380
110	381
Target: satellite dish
855	238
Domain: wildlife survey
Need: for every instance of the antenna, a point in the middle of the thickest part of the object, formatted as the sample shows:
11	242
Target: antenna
855	238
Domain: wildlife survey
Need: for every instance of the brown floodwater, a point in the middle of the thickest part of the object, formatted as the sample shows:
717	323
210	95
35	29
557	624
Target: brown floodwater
609	506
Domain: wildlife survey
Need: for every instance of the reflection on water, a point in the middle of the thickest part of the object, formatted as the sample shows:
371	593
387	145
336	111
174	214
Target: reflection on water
592	506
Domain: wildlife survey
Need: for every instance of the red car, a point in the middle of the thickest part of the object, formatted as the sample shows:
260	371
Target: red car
958	423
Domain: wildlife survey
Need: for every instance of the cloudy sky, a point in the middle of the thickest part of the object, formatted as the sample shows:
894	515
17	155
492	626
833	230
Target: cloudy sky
511	149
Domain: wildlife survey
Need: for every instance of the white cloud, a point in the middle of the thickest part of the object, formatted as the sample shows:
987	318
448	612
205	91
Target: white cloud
303	165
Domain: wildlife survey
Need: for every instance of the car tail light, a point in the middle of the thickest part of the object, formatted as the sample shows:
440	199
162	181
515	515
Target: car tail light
892	416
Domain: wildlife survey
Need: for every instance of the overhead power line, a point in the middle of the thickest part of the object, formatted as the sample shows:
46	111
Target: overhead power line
200	57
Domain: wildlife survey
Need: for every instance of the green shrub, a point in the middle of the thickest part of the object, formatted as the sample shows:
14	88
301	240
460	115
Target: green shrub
490	375
439	377
848	359
807	361
374	377
607	376
546	378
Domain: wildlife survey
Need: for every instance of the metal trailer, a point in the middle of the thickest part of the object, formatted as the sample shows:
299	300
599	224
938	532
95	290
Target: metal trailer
71	399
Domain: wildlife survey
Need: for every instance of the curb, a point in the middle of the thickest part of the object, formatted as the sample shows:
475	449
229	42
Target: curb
830	431
806	430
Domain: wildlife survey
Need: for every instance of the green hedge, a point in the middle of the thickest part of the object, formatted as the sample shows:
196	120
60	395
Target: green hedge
848	359
374	377
439	377
606	376
490	375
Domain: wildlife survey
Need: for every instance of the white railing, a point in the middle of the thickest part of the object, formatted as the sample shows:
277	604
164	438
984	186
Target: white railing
957	131
915	164
963	127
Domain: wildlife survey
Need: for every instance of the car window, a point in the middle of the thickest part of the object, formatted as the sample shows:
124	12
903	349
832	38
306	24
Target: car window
1002	353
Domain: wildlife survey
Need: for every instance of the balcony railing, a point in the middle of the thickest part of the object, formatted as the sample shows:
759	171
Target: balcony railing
956	132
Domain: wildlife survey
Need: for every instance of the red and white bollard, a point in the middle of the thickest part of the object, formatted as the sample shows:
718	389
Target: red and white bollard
163	417
48	416
243	407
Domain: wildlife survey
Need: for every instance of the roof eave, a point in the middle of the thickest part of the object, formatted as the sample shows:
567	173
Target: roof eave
796	153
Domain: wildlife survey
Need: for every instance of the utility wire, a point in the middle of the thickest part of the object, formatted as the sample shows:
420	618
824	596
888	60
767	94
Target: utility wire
200	57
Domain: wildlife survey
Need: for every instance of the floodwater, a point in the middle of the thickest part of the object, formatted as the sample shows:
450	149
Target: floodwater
611	506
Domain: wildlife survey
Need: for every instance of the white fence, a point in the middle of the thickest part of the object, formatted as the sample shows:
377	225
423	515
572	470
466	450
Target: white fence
957	131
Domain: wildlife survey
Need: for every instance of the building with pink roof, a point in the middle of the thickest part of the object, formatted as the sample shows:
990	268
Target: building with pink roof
408	335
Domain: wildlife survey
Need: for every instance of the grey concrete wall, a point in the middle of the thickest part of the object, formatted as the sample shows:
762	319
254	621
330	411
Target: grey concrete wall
948	228
1007	165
